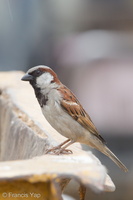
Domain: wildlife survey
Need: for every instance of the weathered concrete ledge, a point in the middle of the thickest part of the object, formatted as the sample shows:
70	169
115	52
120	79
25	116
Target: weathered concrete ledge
25	136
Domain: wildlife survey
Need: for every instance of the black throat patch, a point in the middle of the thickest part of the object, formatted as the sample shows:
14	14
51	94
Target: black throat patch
42	99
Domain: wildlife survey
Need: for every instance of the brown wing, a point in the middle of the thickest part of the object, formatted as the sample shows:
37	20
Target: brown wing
76	111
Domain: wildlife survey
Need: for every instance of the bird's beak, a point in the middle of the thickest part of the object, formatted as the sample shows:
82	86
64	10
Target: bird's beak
27	77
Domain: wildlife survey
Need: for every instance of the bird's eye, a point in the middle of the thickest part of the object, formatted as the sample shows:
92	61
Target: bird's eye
38	73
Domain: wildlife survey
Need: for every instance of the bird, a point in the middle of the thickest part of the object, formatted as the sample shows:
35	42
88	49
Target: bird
65	113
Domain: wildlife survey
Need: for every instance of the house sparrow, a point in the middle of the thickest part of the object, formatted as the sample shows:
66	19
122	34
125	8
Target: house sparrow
65	113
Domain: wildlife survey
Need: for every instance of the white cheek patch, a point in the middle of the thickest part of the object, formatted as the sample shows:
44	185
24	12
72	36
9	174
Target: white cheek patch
44	80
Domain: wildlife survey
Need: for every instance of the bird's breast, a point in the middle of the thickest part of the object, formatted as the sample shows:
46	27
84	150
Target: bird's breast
63	122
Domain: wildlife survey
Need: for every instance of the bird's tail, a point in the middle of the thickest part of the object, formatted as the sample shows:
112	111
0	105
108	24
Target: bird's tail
112	156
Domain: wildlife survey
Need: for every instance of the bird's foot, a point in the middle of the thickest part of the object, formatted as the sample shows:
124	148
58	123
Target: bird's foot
65	151
61	148
57	150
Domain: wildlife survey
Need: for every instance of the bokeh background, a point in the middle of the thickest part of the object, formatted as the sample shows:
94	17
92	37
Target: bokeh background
89	43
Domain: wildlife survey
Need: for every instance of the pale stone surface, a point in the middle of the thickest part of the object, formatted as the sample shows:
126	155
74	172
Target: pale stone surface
26	135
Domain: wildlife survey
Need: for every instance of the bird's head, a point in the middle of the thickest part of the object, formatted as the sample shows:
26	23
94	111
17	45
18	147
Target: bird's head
41	77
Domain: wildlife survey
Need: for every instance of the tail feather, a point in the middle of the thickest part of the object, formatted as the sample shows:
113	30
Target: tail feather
112	156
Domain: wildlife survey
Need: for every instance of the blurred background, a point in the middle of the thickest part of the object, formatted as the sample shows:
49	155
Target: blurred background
89	44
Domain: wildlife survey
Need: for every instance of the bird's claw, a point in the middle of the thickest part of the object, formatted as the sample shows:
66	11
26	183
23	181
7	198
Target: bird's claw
65	151
57	151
